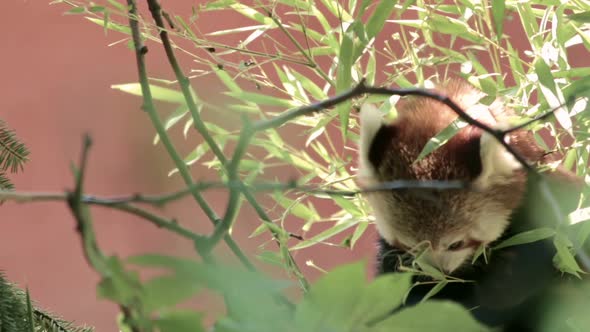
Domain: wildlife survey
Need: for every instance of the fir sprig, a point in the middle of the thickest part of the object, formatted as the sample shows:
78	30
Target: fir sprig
13	153
17	311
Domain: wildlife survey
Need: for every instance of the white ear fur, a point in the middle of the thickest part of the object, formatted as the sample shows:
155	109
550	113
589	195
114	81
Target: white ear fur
497	164
371	121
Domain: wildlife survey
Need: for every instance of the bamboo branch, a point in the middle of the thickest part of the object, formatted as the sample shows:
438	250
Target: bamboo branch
148	106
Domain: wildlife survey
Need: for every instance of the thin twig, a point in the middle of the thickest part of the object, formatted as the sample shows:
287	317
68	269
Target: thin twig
148	106
308	57
199	125
93	255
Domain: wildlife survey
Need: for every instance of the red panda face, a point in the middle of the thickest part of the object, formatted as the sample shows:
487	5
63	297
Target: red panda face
453	223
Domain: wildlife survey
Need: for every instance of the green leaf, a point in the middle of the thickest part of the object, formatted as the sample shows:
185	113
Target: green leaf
110	25
452	26
118	5
76	10
564	259
382	12
172	119
253	14
358	232
327	305
167	291
431	316
344	79
119	285
434	290
271	257
583	17
340	227
498	9
296	208
261	99
158	92
180	321
347	204
526	237
441	138
380	297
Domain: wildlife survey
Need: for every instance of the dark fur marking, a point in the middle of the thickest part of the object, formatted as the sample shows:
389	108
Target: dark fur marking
380	144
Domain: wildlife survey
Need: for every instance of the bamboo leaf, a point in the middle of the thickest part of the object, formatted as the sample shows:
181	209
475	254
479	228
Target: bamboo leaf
382	12
158	92
526	237
441	138
498	9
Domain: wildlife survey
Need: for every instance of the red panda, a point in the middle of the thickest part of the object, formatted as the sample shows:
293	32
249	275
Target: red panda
454	223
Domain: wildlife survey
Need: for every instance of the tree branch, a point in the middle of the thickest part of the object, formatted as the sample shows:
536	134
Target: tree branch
148	106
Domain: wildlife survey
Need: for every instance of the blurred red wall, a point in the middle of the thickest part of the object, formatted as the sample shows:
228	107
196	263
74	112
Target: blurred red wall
56	76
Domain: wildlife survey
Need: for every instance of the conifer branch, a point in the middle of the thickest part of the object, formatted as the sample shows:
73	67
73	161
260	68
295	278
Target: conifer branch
13	153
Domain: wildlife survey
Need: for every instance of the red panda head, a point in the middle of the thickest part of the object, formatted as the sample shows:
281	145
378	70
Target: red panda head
452	222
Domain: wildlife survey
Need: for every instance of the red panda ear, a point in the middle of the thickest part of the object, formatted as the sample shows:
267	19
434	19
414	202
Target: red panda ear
497	163
375	140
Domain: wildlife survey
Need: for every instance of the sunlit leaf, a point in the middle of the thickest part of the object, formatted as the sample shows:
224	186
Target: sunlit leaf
158	92
526	237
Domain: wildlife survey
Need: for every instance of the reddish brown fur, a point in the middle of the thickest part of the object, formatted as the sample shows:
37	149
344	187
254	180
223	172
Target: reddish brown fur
425	215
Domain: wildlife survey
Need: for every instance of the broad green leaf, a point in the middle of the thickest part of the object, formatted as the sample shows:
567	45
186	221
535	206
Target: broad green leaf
380	297
526	237
431	316
327	305
168	290
180	266
118	284
498	8
180	321
579	88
